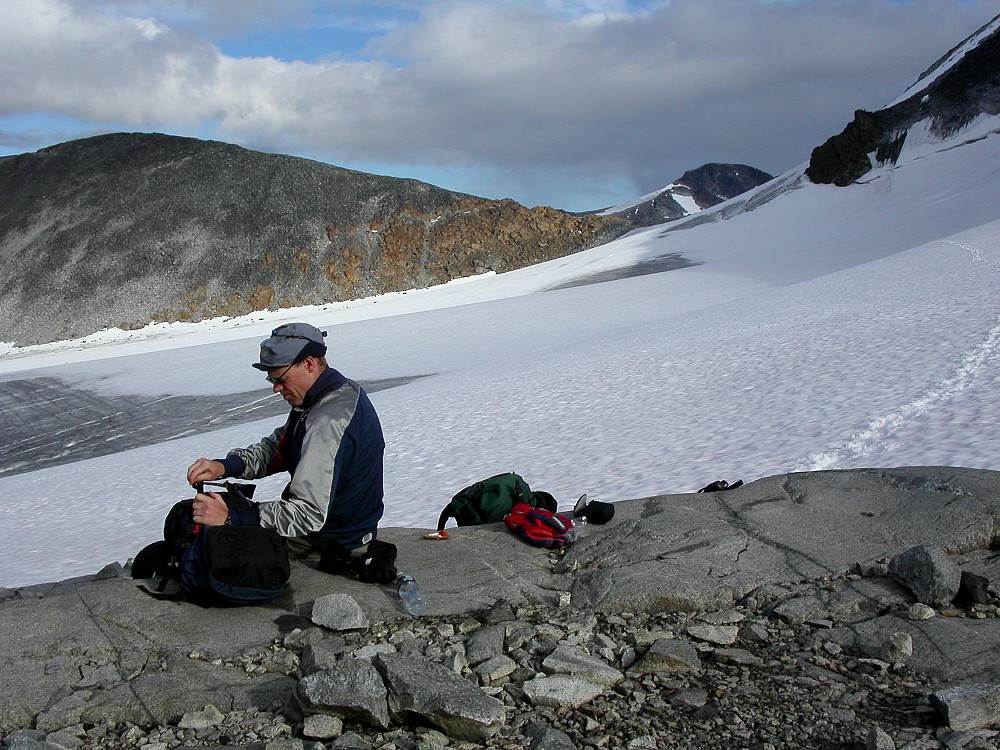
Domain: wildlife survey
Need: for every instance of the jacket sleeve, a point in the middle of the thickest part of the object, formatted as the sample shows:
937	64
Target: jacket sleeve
259	457
306	504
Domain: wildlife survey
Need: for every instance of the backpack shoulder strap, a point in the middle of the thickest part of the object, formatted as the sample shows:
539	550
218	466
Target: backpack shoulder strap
158	594
448	512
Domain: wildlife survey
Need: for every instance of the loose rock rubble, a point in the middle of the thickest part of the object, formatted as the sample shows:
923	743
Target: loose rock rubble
824	610
550	677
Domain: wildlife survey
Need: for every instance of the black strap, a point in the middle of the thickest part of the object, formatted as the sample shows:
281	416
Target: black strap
160	595
448	512
168	572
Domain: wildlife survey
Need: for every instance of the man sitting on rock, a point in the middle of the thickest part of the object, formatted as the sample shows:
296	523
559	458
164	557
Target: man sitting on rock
332	446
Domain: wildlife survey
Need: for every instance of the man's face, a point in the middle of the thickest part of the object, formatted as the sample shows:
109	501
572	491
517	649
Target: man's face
294	381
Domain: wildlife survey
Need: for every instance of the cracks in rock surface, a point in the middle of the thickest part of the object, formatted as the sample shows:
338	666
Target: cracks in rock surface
795	495
119	658
738	522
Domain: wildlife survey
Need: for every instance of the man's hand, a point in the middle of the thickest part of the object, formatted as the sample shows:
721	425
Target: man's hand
205	470
210	509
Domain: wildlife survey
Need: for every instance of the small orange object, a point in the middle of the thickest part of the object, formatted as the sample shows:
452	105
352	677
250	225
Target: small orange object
436	535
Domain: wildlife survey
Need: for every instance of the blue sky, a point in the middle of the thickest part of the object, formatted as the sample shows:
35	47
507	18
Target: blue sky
577	104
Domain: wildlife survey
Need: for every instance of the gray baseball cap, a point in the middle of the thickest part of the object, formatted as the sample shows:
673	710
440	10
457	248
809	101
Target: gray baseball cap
289	344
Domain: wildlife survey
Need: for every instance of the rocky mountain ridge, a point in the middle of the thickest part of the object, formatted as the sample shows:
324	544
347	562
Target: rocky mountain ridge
949	96
954	102
125	229
128	228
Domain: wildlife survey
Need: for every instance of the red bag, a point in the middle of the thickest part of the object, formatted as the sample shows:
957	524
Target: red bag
541	528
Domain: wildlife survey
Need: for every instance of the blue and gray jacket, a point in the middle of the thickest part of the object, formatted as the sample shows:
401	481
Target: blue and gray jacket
332	445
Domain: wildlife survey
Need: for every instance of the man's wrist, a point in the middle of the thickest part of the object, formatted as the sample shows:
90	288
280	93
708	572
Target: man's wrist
233	465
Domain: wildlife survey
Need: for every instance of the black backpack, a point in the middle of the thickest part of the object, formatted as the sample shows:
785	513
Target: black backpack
489	500
215	565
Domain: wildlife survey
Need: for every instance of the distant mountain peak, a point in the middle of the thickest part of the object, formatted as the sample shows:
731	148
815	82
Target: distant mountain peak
696	189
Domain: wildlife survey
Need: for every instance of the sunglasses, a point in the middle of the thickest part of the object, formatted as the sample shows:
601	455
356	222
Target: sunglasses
281	378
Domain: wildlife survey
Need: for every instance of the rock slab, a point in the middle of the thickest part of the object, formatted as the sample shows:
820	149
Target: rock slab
969	706
352	690
422	688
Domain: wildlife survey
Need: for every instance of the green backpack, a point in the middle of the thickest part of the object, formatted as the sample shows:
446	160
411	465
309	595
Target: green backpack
491	499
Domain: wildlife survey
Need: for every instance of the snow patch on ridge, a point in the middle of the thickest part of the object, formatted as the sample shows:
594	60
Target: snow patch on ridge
949	61
685	201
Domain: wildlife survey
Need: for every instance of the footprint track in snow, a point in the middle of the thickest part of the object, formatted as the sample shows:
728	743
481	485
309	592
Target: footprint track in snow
879	430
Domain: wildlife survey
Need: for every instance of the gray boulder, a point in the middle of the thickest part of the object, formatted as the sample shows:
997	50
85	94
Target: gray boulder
668	656
968	707
28	743
339	612
737	656
920	611
485	644
350	741
574	662
546	738
722	635
496	669
501	611
802	608
898	649
321	655
690	698
879	739
929	572
210	716
354	690
322	726
561	691
420	688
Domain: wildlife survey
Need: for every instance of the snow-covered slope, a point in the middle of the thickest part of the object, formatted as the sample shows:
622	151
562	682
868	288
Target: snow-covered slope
676	191
830	327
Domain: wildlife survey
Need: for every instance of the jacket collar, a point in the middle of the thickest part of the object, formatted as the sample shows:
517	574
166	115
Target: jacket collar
329	380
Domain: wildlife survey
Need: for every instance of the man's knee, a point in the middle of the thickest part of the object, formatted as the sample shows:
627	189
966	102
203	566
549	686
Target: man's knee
301	549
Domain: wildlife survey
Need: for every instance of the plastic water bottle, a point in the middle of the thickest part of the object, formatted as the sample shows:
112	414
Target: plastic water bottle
412	599
577	530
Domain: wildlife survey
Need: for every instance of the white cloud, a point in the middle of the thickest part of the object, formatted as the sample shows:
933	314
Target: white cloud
205	15
644	90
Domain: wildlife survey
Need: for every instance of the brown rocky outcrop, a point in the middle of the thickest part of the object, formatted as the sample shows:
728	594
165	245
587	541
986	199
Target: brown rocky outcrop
413	248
